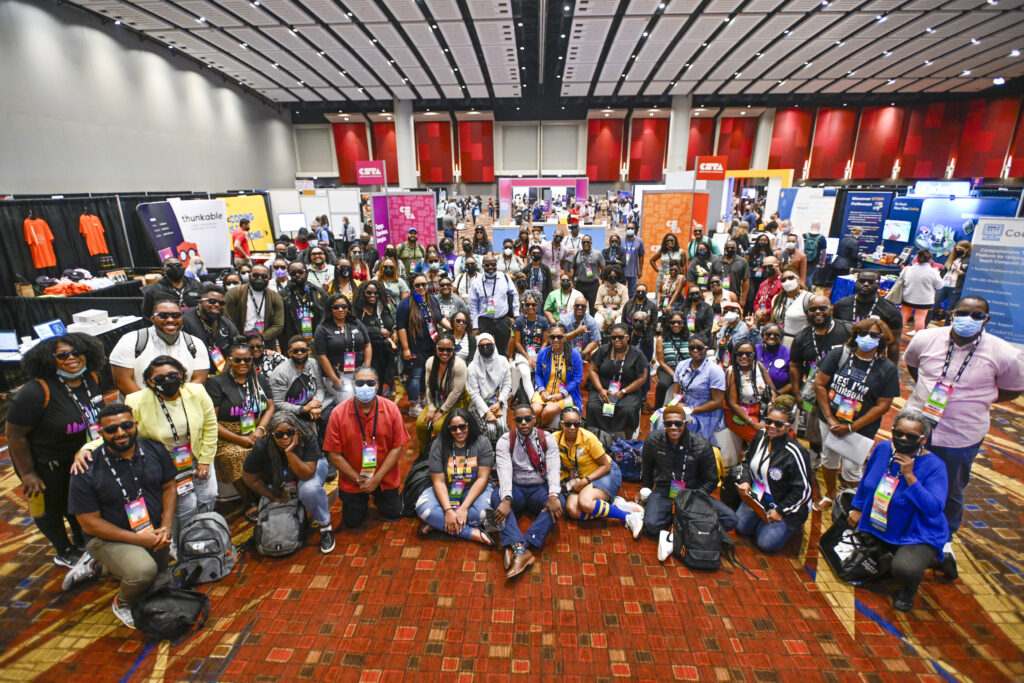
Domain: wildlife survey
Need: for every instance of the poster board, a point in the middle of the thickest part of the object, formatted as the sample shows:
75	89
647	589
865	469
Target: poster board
868	211
802	206
393	214
188	228
997	261
253	207
665	211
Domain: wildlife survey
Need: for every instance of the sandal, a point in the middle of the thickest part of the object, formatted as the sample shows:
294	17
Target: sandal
823	503
485	538
252	516
425	529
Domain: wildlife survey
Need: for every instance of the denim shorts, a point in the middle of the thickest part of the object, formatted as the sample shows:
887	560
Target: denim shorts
611	482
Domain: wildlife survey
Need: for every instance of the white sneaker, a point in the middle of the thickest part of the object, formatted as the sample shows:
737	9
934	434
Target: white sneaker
664	545
123	613
626	506
86	568
635	524
415	409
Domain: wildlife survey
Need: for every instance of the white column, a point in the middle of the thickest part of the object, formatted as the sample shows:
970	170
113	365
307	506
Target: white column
763	139
405	143
679	133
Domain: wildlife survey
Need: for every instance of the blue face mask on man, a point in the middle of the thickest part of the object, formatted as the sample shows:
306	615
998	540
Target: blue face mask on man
966	326
365	394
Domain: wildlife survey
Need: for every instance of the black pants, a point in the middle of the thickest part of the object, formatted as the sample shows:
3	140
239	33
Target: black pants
384	363
501	328
658	513
589	290
355	505
910	562
56	477
665	380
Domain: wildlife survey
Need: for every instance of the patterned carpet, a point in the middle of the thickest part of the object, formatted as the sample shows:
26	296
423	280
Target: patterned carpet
390	605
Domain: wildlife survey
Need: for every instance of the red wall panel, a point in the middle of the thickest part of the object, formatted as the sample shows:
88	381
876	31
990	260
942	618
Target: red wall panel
1017	151
834	135
385	148
791	139
434	151
878	142
647	149
350	146
931	138
476	151
702	140
736	140
986	137
604	149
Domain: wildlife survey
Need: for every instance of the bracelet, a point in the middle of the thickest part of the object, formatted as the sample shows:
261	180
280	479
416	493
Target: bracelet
552	495
589	480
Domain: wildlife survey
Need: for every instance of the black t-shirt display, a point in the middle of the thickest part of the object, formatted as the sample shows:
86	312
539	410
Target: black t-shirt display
231	399
809	347
334	342
861	381
259	462
852	311
59	429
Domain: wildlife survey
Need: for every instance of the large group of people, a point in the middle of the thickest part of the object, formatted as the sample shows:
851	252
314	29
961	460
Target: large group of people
520	368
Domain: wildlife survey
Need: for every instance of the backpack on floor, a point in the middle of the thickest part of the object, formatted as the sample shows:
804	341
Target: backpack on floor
626	453
205	552
169	613
697	537
415	484
280	527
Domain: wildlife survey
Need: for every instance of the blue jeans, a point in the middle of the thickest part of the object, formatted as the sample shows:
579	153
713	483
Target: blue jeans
314	497
532	498
771	536
958	472
611	482
658	513
631	281
429	510
414	369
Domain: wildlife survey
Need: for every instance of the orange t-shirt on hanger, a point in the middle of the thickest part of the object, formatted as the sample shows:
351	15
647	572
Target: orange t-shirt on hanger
91	227
40	242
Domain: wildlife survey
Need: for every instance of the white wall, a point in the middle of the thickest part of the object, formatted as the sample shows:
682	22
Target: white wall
87	107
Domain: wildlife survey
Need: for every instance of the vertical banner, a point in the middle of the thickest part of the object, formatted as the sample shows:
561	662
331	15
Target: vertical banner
253	207
162	227
381	224
204	223
866	210
997	261
666	211
412	210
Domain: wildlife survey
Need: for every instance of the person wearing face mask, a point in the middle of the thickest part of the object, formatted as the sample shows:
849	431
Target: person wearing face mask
241	247
298	387
466	255
785	229
701	268
854	387
959	373
279	281
319	273
732	330
585	268
508	262
481	242
432	268
253	307
634	250
612	297
360	269
574	242
207	323
776	478
788	255
716	296
303	305
558	254
866	303
789	308
410	251
448	224
134	351
770	286
232	281
921	281
952	279
397	287
243	273
371	256
699	316
814	250
448	256
494	304
847	255
173	285
559	301
900	500
342	283
348	237
538	276
614	253
699	240
759	252
464	283
489	384
741	237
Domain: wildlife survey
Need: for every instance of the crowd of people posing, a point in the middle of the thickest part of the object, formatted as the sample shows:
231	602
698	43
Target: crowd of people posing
282	374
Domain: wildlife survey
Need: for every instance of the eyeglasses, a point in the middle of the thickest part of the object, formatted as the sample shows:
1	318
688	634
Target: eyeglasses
533	305
676	424
773	335
300	351
64	355
419	285
675	322
163	315
866	281
775	423
900	434
617	336
373	292
460	321
873	335
579	305
744	353
365	382
295	273
445	350
241	360
285	433
490	266
259	276
571	425
524	419
170	377
339	307
256	347
556	337
698	348
976	315
817	309
114	429
214	302
458	428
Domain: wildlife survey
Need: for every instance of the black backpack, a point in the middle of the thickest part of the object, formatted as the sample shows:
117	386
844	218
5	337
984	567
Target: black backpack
169	613
697	537
416	482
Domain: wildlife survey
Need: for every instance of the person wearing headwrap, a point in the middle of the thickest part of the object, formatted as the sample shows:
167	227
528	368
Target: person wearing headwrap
490	386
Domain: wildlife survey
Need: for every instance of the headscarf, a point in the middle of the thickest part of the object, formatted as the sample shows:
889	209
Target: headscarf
490	371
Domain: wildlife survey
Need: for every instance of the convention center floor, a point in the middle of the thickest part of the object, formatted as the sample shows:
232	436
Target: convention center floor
388	605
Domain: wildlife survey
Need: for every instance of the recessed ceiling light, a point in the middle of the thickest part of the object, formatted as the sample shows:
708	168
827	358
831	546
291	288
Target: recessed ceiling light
998	80
929	29
562	36
886	53
244	46
117	23
566	9
839	43
645	34
1015	53
890	81
201	20
520	24
927	62
974	41
881	17
966	72
661	5
892	104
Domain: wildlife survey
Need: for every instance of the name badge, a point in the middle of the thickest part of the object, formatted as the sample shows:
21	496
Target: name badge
758	272
614	386
248	422
880	505
306	320
726	281
369	460
531	351
664	302
608	409
259	325
182	457
702	279
349	363
846	408
457	489
432	330
937	400
589	272
691	323
757	490
138	515
184	483
491	308
94	431
675	487
218	359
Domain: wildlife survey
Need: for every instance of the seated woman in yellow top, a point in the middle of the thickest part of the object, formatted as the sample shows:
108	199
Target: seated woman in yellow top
590	478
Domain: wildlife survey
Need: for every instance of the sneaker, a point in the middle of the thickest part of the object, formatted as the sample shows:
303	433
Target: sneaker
86	568
635	524
68	558
123	612
664	545
326	540
904	600
948	564
415	409
627	506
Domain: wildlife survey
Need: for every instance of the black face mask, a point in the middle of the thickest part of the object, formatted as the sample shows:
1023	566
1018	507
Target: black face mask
521	285
611	279
730	251
467	248
299	284
174	272
535	257
487	350
905	446
471	268
167	388
958	252
566	285
769	271
344	271
389	271
300	360
258	285
390	253
641	295
365	241
695	298
446	247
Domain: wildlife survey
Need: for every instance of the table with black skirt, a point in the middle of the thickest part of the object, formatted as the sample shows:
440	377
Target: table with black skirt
627	409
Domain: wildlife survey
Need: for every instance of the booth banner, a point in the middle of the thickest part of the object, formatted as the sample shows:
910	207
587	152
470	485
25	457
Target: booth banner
204	227
665	212
802	206
941	188
997	261
901	222
868	211
253	207
381	224
945	221
370	173
506	185
163	228
395	214
711	168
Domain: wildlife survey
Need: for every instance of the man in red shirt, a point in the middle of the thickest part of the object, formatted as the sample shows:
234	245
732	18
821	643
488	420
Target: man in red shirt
364	438
771	286
240	248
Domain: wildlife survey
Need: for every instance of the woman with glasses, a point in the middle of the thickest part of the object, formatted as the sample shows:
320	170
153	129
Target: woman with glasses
718	295
342	344
618	373
702	383
775	481
669	287
671	348
759	251
669	255
612	296
264	360
748	392
360	268
52	416
244	403
490	387
459	495
530	336
774	355
447	300
419	322
590	478
446	377
398	288
430	267
732	329
854	386
557	377
288	462
481	243
375	315
789	309
465	342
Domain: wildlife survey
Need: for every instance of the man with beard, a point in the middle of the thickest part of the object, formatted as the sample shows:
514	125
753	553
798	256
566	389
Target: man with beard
252	307
133	352
207	322
173	285
410	252
125	503
538	276
320	273
866	303
298	385
303	304
735	272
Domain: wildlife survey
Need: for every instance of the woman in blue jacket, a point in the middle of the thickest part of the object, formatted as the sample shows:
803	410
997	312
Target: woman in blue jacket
557	377
900	500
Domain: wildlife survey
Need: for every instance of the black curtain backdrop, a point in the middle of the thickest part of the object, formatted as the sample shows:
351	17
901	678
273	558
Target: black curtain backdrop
22	313
68	244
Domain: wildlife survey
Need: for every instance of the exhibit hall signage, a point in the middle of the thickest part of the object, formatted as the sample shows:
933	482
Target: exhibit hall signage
994	273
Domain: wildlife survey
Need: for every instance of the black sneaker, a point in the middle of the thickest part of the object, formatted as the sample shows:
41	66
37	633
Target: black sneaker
948	566
904	600
326	540
69	558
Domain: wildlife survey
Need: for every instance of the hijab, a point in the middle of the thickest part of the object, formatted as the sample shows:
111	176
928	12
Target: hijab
491	371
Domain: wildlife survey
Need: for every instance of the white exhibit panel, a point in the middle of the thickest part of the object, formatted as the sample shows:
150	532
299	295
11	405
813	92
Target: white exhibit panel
344	203
314	205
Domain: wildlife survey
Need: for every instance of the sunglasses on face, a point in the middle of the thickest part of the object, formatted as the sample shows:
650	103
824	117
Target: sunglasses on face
746	354
618	336
168	316
484	347
775	423
817	309
114	429
789	278
339	307
772	335
214	302
256	347
900	434
697	349
490	266
285	433
533	305
976	315
460	321
365	382
297	273
524	419
64	355
571	425
259	276
172	377
675	322
580	306
300	351
556	337
458	428
373	292
441	350
873	335
420	285
673	424
241	360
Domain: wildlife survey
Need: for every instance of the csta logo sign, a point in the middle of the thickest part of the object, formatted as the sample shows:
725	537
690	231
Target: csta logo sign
711	167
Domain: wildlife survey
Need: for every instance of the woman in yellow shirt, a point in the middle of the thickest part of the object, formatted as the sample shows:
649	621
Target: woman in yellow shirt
590	478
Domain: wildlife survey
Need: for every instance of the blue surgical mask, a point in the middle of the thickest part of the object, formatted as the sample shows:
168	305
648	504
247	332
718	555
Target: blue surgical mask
966	326
866	342
70	375
365	394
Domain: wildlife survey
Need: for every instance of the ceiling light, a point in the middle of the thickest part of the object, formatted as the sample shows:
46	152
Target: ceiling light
696	113
892	104
927	62
295	31
517	108
807	64
645	34
850	73
244	46
998	80
824	3
520	24
886	53
974	41
661	5
117	23
966	72
274	65
201	20
890	81
839	43
1015	53
726	20
781	83
446	49
349	14
929	30
566	9
606	115
434	27
559	57
786	32
881	17
993	2
170	47
322	54
562	36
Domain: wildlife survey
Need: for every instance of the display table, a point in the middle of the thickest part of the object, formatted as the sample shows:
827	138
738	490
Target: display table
23	313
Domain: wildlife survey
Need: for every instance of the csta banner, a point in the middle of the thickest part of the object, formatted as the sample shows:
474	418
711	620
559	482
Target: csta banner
711	168
370	172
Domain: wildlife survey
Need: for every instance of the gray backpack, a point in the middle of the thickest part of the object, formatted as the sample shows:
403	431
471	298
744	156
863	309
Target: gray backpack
205	552
280	528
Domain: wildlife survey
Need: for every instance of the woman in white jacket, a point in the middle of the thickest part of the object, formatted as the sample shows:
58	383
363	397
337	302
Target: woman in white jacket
921	281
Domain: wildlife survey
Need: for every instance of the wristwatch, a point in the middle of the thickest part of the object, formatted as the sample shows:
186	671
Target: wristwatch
508	498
